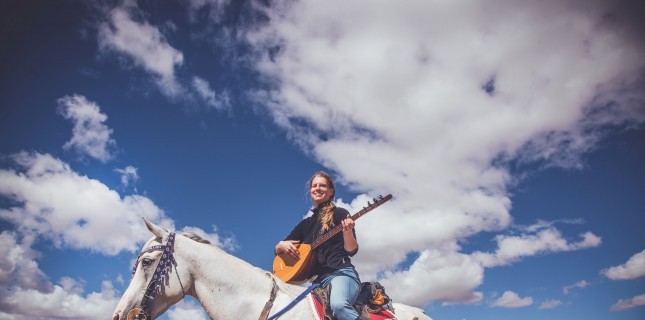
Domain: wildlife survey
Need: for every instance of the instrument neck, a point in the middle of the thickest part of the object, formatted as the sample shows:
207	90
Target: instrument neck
339	228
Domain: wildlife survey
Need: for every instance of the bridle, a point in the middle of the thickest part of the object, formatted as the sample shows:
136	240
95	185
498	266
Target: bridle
167	261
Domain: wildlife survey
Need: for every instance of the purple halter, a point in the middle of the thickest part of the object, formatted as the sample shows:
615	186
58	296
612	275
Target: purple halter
166	262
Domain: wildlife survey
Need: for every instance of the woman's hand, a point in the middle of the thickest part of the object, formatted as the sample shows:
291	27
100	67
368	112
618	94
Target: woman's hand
288	247
348	224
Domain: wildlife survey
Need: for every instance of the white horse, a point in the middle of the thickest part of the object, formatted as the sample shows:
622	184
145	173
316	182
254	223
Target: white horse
225	286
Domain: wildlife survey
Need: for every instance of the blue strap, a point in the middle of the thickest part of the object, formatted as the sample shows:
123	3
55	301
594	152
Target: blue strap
294	302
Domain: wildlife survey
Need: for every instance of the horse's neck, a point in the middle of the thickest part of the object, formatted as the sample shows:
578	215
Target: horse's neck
230	288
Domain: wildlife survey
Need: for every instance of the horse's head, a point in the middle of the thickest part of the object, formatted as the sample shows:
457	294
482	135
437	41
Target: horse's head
156	283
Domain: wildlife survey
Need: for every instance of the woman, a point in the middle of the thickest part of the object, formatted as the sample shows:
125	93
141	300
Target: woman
332	259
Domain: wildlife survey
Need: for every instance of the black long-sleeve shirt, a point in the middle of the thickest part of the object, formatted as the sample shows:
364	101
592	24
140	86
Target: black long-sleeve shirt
331	255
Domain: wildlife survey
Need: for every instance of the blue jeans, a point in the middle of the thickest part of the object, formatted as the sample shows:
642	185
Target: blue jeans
345	285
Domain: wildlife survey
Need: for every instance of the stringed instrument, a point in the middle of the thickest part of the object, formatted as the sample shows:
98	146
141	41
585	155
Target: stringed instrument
296	271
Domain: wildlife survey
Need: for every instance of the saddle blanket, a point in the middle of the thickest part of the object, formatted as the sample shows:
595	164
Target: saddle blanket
319	313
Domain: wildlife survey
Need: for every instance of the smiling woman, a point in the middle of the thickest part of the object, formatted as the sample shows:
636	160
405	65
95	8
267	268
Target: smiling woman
332	263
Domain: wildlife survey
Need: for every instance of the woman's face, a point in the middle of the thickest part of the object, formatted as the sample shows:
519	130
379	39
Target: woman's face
320	190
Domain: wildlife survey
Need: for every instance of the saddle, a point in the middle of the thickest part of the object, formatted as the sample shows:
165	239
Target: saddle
372	303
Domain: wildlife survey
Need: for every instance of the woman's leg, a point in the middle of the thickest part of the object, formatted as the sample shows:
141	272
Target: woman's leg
344	291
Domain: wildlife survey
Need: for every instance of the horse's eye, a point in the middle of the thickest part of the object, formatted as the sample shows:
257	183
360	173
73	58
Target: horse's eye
146	262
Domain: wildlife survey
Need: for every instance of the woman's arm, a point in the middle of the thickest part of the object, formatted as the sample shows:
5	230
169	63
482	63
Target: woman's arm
350	243
288	247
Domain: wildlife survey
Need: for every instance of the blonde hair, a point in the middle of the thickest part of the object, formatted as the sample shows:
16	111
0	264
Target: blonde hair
327	208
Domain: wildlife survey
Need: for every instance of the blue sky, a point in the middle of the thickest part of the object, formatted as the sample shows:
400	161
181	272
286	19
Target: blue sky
511	136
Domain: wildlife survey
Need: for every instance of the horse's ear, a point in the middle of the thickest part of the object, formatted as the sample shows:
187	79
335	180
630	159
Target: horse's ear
156	230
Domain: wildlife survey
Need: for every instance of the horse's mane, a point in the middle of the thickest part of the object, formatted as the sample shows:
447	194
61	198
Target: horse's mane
195	237
291	289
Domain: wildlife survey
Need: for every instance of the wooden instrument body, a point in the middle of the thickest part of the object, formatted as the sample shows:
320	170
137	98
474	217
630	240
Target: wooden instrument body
289	269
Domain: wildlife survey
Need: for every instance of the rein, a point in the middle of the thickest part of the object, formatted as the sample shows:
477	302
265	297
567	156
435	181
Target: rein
165	265
267	306
294	302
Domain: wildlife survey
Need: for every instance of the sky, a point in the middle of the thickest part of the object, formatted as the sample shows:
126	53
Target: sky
511	135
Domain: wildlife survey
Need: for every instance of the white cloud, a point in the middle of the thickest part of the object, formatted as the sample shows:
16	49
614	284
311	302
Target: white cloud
90	136
25	292
18	263
510	299
621	305
550	304
58	303
542	224
72	285
211	98
579	284
549	240
215	239
56	203
406	99
435	275
634	268
187	310
128	175
127	34
6	316
52	201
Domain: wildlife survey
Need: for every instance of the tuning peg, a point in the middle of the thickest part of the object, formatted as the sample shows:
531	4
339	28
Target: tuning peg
375	201
380	196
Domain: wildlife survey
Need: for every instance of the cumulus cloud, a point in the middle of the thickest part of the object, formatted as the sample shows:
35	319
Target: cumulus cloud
510	299
454	276
52	201
129	35
58	303
634	268
26	293
550	304
71	210
18	264
512	248
434	276
90	136
625	304
406	99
